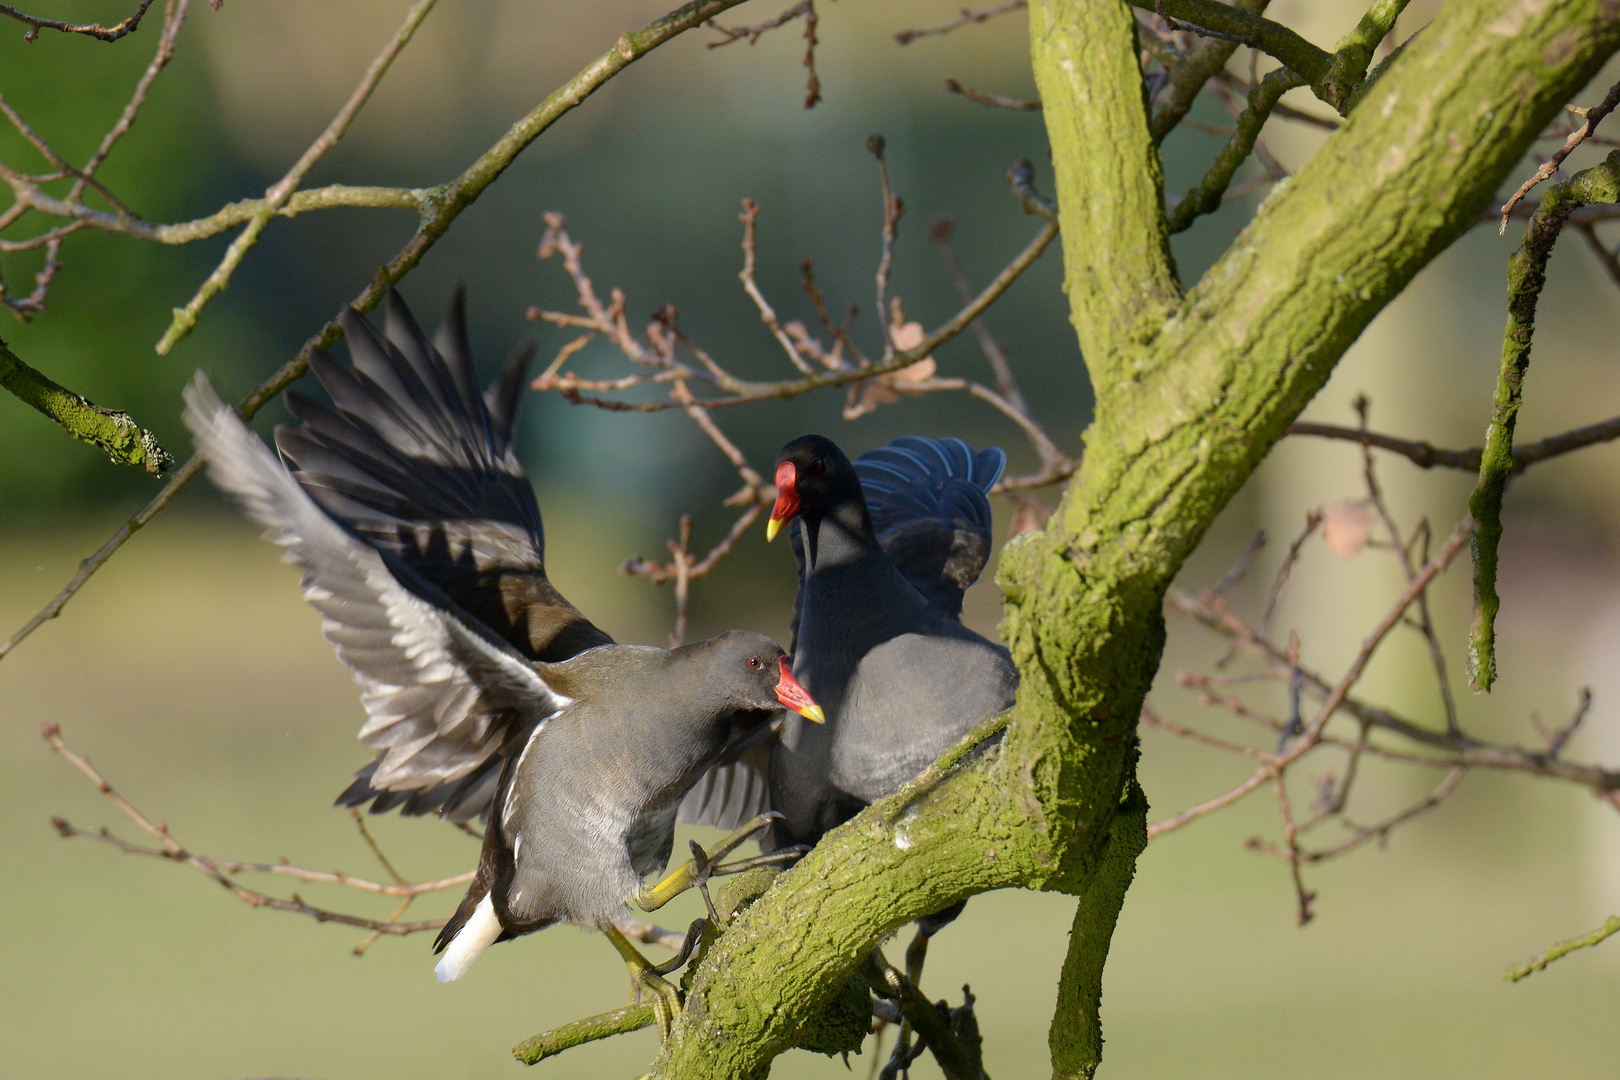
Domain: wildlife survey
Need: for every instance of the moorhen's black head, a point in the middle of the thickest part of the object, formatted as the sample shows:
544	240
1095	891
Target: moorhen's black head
815	480
748	671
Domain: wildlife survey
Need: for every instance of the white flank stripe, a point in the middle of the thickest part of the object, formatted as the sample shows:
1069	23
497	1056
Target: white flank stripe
478	934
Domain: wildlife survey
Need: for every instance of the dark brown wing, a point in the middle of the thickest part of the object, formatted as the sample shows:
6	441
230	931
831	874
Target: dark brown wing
444	696
414	458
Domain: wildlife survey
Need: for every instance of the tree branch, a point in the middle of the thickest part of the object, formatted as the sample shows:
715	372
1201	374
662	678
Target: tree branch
533	1050
1185	78
186	318
94	30
1206	197
1076	1033
1527	273
1610	927
1116	254
125	442
1189	398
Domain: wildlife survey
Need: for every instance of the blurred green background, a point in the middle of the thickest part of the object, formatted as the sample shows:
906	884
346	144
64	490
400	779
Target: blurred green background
190	672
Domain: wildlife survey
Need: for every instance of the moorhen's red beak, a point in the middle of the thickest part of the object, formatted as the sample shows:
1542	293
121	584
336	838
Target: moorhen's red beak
796	697
787	502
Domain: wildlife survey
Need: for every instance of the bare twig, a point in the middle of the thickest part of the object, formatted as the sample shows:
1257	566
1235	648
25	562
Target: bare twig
174	16
222	872
1425	456
767	314
742	391
1589	122
967	18
893	210
94	30
1459	749
277	195
994	101
805	9
1337	695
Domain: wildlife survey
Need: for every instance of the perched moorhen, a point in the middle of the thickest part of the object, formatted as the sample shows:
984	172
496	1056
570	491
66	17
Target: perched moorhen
886	548
607	738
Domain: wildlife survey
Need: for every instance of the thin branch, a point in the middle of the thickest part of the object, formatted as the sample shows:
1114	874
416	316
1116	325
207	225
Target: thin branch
805	9
1375	494
277	195
1212	19
1589	122
94	30
1186	73
534	1050
1527	273
1206	198
1610	927
443	205
893	211
767	314
1426	456
967	18
994	101
174	16
117	433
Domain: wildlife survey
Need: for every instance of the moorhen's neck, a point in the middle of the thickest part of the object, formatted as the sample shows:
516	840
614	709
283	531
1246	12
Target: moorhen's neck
842	536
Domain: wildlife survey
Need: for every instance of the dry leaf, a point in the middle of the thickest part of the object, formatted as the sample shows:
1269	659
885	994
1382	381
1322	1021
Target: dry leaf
1347	528
886	389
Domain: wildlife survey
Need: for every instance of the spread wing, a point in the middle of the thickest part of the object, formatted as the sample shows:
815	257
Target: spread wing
414	458
444	696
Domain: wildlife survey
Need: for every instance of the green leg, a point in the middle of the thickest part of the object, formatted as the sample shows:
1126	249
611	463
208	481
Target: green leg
702	865
644	975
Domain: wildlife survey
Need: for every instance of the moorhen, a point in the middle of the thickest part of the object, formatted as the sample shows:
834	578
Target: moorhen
593	750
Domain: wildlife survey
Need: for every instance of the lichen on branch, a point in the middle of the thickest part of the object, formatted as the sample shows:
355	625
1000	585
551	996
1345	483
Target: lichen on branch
1527	274
125	441
1191	393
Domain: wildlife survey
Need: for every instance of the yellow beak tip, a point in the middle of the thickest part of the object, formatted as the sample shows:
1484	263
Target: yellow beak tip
772	527
814	714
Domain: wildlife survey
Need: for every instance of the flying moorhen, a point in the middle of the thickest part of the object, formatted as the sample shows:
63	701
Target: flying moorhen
607	741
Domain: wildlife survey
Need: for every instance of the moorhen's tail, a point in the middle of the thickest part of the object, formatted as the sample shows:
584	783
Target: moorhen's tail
930	509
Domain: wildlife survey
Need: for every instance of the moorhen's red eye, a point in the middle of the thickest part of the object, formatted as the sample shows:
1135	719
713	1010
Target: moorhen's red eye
753	661
817	465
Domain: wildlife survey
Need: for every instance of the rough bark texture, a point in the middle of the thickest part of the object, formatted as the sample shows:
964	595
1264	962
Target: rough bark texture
1527	274
1076	1036
1191	393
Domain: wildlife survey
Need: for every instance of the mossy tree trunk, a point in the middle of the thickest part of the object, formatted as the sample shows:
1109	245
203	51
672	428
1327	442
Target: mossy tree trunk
1192	390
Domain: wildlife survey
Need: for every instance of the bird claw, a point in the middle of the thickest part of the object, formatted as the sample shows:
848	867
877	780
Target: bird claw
703	865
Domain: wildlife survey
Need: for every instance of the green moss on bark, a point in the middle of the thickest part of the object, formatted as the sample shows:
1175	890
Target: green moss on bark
1191	394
